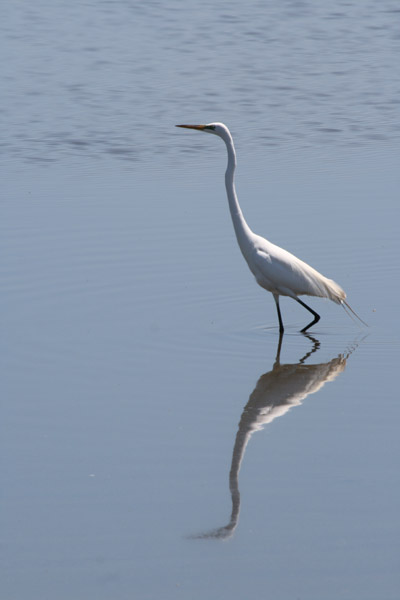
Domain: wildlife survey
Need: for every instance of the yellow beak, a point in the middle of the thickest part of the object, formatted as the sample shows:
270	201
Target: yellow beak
201	127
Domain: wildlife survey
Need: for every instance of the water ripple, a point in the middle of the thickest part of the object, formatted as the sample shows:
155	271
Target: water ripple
113	85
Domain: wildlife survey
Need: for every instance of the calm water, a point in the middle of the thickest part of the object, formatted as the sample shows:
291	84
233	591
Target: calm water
157	442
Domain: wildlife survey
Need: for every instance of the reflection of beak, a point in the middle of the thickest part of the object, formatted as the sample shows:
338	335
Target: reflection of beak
201	127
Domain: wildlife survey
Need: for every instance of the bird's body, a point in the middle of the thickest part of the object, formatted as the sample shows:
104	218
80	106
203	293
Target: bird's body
280	272
275	269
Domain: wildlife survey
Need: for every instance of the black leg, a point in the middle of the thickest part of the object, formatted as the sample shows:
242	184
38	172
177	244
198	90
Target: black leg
316	315
281	328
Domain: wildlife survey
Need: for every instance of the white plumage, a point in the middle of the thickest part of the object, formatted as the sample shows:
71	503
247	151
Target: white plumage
275	269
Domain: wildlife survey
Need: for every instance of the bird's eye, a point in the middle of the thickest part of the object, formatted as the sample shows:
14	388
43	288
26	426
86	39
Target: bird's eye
212	127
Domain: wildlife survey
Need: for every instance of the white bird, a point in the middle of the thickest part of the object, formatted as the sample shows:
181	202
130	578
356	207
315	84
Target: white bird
275	269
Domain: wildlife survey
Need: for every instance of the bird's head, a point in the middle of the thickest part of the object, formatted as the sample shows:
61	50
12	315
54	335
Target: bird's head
216	128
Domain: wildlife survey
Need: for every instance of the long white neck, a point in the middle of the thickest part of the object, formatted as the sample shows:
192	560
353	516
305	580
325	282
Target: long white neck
242	230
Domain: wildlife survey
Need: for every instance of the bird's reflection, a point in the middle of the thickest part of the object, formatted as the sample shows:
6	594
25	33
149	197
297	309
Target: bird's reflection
276	392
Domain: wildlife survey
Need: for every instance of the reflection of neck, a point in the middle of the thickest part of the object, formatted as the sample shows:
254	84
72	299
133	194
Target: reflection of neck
275	394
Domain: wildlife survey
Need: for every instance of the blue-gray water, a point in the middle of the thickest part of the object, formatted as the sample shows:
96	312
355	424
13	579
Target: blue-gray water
156	442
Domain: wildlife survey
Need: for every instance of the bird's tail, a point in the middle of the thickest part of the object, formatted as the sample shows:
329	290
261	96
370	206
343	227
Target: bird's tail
351	312
333	291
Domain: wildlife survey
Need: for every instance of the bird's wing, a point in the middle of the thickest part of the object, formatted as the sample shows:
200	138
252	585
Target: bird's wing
281	272
271	272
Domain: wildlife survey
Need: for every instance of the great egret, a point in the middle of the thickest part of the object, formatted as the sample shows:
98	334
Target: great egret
275	269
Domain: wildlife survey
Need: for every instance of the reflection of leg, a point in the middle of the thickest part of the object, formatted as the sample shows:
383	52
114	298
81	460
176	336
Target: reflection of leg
316	315
316	345
278	350
281	328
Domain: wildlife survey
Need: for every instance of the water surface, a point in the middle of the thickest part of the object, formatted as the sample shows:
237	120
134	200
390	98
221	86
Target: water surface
157	439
